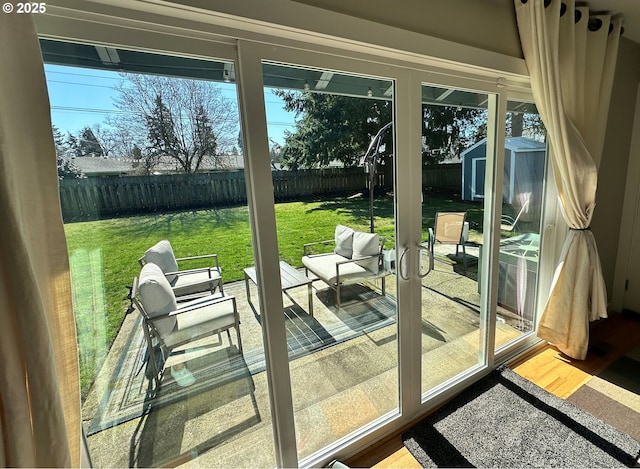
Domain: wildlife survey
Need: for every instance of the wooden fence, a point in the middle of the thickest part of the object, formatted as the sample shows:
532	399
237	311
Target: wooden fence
445	176
104	197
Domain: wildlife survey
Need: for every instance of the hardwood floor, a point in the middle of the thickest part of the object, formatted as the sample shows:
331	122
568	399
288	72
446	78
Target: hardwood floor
560	375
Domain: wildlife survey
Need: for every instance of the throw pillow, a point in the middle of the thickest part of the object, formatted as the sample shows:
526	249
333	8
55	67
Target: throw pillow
366	244
344	241
162	255
157	297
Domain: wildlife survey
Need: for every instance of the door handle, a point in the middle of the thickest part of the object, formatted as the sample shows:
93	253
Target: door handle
422	247
401	266
401	263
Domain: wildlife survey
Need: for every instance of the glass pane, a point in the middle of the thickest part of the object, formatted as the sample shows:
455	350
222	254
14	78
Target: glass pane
340	314
454	140
146	157
522	199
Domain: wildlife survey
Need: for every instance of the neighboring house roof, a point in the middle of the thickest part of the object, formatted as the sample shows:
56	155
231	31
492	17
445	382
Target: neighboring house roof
102	166
114	166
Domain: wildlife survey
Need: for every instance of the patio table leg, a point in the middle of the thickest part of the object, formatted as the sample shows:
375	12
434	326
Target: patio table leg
310	290
246	286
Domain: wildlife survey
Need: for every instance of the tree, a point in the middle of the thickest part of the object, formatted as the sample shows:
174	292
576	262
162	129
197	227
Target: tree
66	167
88	144
58	141
333	127
188	121
73	149
164	141
144	161
330	127
525	124
448	130
108	139
240	144
275	152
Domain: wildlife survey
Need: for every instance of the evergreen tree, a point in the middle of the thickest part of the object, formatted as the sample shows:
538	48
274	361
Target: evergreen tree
240	145
72	145
58	141
161	130
143	161
448	130
330	127
204	140
66	167
89	145
333	127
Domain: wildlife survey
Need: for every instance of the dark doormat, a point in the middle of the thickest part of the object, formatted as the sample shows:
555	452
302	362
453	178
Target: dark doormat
504	420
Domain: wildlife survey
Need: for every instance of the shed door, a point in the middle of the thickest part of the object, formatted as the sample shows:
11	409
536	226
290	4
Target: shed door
478	167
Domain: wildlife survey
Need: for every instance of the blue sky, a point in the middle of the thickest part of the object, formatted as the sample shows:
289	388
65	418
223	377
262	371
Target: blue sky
83	97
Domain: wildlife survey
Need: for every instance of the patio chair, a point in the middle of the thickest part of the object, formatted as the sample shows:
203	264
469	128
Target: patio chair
508	223
449	230
168	326
186	284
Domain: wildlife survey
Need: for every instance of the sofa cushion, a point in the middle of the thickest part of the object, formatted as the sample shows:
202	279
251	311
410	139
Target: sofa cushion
324	267
196	281
366	244
344	241
157	297
162	255
210	317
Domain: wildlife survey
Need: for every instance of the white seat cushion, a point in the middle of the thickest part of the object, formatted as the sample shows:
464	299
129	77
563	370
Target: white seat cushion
324	267
195	282
157	298
162	255
201	321
367	244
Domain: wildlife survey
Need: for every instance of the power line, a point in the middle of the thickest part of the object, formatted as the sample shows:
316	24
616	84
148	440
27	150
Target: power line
84	75
90	110
80	84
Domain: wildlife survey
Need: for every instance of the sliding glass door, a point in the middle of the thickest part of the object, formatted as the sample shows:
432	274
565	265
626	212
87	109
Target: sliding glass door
354	204
523	196
151	169
333	177
456	172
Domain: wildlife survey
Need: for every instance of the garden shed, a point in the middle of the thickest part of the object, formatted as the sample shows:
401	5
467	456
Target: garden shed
523	170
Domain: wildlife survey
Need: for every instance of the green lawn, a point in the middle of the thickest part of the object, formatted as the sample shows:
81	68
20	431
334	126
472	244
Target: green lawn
103	254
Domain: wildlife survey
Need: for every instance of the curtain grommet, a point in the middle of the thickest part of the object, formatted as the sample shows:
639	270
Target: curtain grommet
595	24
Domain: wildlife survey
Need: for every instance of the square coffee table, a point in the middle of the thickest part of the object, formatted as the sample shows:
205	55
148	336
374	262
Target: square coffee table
289	277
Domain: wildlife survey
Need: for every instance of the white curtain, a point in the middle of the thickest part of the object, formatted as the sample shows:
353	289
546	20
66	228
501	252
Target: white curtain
39	380
571	59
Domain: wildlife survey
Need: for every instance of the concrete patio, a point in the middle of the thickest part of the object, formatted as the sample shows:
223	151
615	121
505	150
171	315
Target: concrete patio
343	365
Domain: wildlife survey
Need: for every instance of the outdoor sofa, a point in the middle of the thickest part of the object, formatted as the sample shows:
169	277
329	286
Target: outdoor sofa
357	257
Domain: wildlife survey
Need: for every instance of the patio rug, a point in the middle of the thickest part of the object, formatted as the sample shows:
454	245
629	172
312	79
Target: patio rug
504	420
127	398
613	395
224	370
